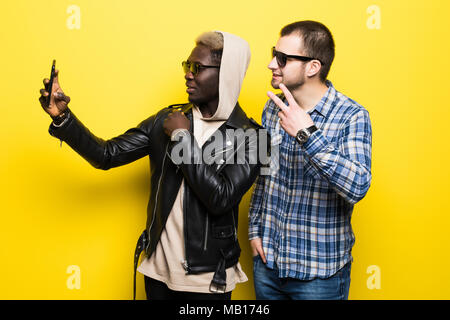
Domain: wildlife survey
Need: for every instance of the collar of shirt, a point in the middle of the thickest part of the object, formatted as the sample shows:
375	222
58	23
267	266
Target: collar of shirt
325	104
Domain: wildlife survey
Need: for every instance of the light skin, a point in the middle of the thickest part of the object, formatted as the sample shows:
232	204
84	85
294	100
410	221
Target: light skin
202	89
301	85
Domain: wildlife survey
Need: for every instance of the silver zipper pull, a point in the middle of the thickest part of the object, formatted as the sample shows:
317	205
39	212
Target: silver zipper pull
185	265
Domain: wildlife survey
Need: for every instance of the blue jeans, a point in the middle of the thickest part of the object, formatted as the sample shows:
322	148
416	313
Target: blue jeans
269	287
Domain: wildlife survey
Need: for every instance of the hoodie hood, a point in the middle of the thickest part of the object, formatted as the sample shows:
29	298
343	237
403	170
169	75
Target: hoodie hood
233	66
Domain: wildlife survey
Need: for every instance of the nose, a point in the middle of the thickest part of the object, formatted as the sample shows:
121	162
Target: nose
273	65
189	75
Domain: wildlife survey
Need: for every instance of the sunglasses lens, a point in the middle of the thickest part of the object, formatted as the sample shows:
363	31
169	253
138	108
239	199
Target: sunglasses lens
281	58
192	67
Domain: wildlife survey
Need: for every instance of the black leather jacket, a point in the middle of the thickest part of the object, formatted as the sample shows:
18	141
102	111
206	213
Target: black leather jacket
212	191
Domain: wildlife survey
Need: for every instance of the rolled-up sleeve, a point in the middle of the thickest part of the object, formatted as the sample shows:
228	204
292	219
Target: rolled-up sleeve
348	166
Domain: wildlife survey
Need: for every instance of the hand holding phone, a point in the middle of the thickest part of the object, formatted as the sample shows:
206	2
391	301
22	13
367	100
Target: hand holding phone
52	99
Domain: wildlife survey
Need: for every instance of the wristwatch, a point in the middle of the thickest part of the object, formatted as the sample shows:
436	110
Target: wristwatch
304	134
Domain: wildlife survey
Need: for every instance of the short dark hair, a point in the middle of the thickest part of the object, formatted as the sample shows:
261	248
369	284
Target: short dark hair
317	41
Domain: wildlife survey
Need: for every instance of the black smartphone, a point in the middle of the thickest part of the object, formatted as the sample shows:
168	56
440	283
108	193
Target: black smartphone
50	84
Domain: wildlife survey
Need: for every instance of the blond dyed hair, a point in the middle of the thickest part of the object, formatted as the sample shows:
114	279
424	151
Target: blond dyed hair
214	42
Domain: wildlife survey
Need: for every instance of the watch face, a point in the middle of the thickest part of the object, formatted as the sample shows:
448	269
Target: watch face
302	136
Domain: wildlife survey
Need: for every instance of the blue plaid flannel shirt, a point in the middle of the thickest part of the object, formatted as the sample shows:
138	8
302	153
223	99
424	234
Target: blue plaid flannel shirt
302	212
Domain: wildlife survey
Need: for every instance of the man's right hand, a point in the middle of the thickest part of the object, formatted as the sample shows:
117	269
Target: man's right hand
58	100
256	245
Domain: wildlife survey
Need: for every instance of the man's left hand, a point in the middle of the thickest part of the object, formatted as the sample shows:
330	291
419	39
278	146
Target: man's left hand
292	117
175	120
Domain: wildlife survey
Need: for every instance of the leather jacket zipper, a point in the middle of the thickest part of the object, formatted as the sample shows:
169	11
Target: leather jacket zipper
157	192
185	263
206	232
234	225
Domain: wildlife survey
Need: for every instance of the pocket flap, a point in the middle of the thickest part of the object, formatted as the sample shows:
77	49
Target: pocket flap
222	232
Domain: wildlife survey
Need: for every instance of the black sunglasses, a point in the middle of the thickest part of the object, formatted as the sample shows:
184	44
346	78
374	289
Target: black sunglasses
282	57
194	67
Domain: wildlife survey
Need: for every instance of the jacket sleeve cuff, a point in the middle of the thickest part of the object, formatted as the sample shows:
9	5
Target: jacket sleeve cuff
60	131
177	133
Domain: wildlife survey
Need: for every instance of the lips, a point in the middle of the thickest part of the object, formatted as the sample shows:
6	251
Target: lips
190	89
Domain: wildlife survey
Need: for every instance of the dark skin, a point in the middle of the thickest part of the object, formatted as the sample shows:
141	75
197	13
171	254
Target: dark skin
203	91
58	100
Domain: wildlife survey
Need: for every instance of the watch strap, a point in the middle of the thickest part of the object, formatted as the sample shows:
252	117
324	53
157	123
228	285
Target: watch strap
311	129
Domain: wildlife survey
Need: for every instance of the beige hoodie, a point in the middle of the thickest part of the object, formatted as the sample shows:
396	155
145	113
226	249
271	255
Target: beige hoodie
166	263
233	66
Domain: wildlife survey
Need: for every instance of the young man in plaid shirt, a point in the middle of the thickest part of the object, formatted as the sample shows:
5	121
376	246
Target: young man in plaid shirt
300	216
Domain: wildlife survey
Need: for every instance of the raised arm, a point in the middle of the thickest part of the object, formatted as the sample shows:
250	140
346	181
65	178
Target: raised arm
102	154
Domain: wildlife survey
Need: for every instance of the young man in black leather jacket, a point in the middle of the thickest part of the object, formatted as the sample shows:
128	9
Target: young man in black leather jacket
201	198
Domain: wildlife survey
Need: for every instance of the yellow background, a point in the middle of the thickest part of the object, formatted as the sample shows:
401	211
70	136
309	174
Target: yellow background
124	64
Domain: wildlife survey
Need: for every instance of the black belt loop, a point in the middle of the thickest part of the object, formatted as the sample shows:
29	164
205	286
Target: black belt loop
140	246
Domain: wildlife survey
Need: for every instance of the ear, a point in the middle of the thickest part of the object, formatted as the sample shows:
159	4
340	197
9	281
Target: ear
313	68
